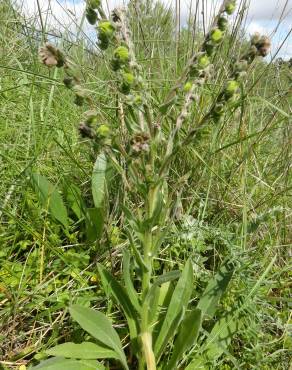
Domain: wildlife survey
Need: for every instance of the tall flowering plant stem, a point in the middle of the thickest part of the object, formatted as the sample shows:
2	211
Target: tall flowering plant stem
141	151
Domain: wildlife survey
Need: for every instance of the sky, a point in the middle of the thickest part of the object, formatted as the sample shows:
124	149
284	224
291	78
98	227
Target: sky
264	16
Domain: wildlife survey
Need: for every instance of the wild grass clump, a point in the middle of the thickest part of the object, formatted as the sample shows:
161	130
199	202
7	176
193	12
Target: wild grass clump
172	252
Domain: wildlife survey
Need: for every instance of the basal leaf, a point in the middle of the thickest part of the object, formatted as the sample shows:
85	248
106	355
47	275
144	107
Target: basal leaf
59	363
98	180
99	326
50	198
82	351
94	223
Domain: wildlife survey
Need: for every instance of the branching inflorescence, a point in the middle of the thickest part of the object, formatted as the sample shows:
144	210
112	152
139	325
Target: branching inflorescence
148	156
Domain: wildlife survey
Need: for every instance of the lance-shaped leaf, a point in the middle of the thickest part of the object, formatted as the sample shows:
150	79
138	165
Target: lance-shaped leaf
99	326
179	301
60	363
82	351
215	289
112	286
50	198
98	180
186	338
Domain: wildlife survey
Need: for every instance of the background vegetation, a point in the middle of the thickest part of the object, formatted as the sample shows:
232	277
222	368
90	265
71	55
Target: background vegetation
235	201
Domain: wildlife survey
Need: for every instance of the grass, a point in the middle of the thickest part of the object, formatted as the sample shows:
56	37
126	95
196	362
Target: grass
231	191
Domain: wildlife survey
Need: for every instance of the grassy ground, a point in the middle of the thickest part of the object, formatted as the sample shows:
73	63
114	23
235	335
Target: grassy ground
236	199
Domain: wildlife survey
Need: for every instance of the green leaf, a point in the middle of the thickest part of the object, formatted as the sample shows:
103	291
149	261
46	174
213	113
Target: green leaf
98	180
83	351
94	223
128	281
60	363
50	198
111	285
168	276
75	200
187	337
179	302
215	289
99	326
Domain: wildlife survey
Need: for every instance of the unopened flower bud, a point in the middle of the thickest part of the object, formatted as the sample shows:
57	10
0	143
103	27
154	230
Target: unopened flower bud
230	7
216	35
263	46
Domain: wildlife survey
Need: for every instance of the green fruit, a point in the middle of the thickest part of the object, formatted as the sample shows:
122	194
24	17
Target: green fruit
128	78
222	23
203	61
231	88
216	35
103	131
122	54
106	29
91	16
188	87
230	7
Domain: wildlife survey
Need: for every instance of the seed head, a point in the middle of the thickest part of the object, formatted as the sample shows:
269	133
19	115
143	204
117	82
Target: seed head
216	35
51	56
86	131
230	7
263	46
140	143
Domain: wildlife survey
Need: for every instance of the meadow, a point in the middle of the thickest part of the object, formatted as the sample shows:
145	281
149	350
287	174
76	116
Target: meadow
146	186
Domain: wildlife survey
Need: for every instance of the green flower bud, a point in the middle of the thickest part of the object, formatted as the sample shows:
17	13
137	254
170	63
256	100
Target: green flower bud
230	7
91	16
222	23
188	87
128	78
125	88
103	131
203	61
94	4
106	29
216	35
231	88
138	100
241	66
122	54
